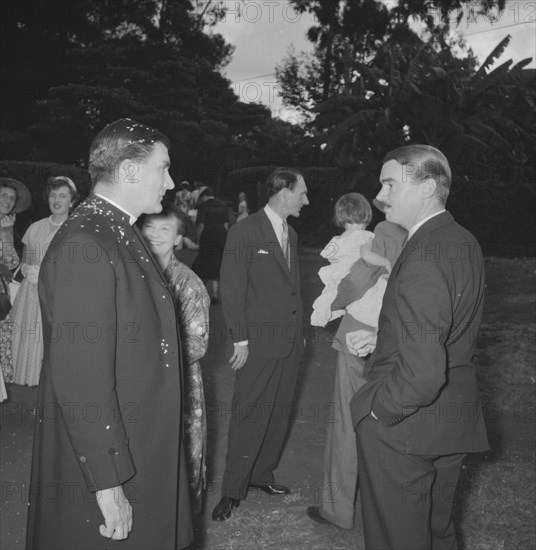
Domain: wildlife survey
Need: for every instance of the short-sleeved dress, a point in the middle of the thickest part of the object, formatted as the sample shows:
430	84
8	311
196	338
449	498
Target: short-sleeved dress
213	214
27	346
342	251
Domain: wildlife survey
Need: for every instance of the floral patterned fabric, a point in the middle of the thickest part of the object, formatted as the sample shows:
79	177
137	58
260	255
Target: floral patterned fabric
193	305
9	259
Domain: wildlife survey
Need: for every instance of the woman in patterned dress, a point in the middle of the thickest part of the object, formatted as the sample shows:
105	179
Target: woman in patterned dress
27	345
14	198
163	232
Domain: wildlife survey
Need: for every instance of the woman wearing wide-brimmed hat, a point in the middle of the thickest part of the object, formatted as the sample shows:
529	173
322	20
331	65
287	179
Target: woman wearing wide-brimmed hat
14	198
27	353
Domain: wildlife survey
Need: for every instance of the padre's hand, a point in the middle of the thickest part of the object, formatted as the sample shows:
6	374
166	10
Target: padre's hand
361	342
239	357
117	513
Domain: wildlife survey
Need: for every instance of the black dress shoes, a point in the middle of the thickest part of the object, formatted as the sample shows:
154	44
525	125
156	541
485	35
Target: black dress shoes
314	513
272	488
223	509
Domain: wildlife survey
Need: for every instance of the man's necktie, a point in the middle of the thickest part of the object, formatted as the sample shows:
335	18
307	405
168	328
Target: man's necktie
284	243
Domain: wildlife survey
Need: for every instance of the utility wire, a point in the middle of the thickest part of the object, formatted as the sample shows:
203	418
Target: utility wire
253	77
498	28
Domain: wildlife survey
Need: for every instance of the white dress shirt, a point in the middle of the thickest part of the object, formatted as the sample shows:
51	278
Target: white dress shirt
414	228
277	223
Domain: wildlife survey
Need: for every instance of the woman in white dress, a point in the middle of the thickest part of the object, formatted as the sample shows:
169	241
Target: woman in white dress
27	344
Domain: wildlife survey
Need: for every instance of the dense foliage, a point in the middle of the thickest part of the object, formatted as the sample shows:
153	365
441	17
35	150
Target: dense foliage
372	83
70	67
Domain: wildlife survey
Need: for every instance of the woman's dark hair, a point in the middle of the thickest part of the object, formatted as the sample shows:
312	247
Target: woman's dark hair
169	210
55	182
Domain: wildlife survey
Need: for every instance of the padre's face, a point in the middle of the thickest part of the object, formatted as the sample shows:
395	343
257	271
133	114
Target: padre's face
150	180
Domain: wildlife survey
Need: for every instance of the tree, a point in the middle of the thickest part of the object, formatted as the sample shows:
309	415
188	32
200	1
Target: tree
350	32
413	93
100	60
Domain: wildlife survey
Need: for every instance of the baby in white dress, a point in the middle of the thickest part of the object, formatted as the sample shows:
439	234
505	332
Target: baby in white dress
353	213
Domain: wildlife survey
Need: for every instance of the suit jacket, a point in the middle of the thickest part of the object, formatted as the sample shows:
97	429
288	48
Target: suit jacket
420	376
260	295
109	407
388	241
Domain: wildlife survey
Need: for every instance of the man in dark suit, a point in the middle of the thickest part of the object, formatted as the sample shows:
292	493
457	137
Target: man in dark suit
260	291
108	452
419	412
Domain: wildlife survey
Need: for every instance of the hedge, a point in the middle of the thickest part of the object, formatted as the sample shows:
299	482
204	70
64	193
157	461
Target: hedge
502	217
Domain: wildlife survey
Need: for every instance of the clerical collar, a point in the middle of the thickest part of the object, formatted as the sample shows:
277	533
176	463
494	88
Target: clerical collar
132	219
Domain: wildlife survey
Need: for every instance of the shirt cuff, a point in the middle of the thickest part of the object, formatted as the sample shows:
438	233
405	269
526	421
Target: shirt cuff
242	343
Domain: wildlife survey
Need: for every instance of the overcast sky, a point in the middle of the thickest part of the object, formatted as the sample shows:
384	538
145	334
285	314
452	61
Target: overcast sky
263	30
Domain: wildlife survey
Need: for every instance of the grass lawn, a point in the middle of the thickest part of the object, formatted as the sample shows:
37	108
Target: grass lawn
495	503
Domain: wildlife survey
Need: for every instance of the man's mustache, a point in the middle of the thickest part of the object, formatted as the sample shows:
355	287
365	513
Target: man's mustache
379	205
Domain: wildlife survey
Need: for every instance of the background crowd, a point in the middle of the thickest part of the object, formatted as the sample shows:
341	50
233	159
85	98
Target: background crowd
381	283
203	229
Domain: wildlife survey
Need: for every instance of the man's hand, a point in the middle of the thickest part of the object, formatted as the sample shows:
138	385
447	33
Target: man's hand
239	357
361	342
117	513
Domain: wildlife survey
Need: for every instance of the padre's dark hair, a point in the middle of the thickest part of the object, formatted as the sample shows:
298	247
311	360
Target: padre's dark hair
120	140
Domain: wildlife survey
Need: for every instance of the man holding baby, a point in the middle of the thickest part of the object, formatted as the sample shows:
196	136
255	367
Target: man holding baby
419	412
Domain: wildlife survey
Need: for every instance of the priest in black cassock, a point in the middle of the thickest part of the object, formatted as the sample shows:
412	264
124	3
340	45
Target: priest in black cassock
108	457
